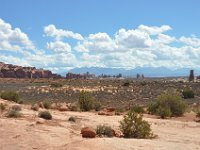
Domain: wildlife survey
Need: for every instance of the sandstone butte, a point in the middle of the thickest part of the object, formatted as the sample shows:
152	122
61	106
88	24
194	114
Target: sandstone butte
15	71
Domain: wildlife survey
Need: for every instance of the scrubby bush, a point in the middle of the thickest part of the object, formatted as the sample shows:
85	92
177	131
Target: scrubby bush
20	102
103	130
47	104
86	101
97	105
10	95
72	119
168	104
188	93
45	115
2	107
56	85
143	83
14	112
126	83
16	108
74	107
137	109
119	111
198	113
133	126
164	112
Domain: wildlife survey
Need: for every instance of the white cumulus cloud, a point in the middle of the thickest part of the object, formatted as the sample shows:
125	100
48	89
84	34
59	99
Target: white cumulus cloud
59	46
13	39
58	34
154	30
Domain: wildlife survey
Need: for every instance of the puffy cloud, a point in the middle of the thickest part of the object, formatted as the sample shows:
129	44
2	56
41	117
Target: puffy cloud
191	41
80	48
59	46
165	39
143	46
122	41
153	30
99	42
13	39
132	39
58	34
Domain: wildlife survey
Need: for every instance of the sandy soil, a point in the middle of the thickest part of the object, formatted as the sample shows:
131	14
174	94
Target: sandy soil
25	134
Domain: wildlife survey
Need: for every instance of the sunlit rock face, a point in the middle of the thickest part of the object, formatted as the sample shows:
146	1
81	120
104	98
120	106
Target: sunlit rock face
14	71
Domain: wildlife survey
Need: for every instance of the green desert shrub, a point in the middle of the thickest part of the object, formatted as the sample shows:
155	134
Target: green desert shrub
2	107
138	109
133	126
103	130
198	113
45	115
86	101
16	107
168	104
143	83
97	105
72	119
119	111
10	95
14	112
188	93
74	107
20	102
164	112
47	104
56	85
126	83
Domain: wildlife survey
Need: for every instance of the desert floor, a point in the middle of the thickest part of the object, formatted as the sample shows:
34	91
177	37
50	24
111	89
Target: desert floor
60	134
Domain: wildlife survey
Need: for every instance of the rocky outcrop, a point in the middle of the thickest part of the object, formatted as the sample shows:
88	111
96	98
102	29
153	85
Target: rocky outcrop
14	71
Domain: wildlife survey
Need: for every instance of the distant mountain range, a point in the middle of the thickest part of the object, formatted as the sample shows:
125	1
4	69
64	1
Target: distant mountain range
147	71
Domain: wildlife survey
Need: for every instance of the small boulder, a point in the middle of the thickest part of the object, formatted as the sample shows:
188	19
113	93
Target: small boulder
35	107
41	105
117	133
63	108
54	106
110	109
102	113
88	132
105	113
40	121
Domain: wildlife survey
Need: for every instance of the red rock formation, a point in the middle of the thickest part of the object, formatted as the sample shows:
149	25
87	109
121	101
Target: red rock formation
14	71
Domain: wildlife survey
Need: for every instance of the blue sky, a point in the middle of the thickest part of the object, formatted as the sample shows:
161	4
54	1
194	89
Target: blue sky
111	33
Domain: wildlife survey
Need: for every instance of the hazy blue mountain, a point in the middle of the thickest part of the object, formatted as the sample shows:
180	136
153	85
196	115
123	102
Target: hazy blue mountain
147	71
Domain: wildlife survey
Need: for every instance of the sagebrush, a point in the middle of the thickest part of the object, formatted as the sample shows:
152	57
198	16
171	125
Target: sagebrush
133	126
168	104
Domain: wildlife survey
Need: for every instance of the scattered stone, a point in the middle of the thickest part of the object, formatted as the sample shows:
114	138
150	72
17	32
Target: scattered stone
102	113
110	109
41	105
54	106
117	133
88	132
105	113
63	108
40	121
35	107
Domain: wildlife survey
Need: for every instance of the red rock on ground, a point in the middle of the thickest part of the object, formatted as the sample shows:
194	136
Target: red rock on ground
88	132
41	105
63	108
110	109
